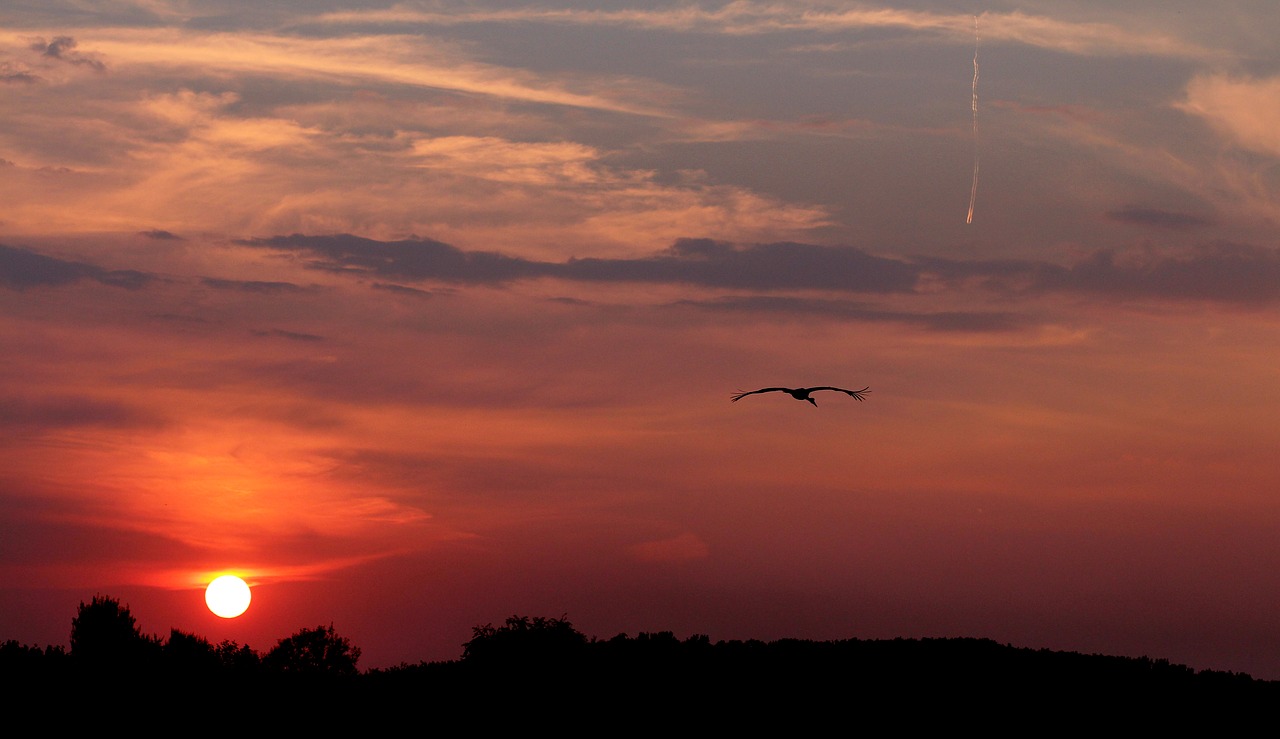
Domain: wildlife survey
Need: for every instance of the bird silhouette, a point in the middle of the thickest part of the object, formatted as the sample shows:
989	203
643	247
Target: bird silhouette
802	393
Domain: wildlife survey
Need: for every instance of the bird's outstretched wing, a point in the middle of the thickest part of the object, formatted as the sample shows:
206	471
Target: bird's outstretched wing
740	395
851	393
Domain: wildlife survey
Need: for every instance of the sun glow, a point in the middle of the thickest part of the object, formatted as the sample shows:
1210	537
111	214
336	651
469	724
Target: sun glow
227	596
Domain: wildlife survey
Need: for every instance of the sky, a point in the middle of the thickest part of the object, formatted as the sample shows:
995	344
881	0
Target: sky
419	315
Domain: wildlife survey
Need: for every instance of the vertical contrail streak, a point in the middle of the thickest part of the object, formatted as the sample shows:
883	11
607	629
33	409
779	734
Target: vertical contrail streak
973	189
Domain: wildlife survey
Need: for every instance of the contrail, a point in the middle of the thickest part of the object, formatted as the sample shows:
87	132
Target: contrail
973	190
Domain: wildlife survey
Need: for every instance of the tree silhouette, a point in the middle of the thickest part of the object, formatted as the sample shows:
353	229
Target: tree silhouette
546	670
22	662
318	651
104	633
240	659
526	641
190	654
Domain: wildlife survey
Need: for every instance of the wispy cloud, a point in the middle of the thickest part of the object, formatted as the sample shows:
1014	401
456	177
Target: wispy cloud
406	60
213	161
744	17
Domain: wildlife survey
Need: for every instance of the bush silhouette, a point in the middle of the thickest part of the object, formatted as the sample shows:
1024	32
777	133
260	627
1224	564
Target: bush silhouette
318	651
105	634
240	659
190	654
525	641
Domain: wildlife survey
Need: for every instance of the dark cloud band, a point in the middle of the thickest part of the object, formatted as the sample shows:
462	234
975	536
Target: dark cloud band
21	269
1230	273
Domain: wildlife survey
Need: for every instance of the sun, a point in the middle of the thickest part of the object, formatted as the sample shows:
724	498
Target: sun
227	596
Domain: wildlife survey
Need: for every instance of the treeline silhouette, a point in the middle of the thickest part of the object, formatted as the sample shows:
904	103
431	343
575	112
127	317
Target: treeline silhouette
106	641
542	668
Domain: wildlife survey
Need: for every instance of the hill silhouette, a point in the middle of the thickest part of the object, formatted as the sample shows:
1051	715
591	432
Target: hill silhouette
541	670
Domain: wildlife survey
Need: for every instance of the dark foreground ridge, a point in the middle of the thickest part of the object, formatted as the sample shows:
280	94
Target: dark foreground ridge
542	671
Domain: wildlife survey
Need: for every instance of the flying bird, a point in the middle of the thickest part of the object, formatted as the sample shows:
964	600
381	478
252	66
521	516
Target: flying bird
802	393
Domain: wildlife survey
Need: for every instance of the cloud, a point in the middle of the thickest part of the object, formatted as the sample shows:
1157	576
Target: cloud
21	269
189	161
12	74
251	286
959	321
1244	110
70	410
63	48
68	543
688	261
291	335
41	534
54	48
400	59
762	266
744	17
402	289
1228	273
508	161
419	259
160	235
1137	216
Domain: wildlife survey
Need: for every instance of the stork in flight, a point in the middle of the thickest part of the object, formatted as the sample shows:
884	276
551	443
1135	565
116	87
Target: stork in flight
802	393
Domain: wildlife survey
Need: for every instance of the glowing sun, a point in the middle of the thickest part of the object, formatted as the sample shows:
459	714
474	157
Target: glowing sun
227	596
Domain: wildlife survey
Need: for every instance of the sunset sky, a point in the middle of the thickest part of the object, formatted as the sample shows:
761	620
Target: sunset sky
418	315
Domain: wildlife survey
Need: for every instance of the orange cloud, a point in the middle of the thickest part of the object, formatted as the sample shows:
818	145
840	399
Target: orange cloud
1244	110
396	59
